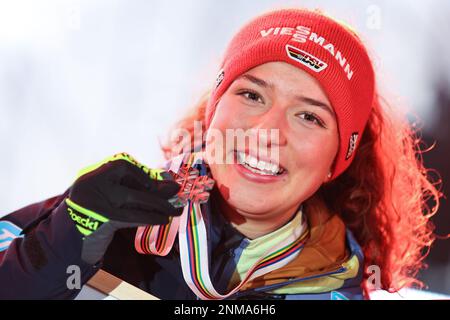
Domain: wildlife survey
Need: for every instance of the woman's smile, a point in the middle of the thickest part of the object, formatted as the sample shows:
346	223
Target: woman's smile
257	170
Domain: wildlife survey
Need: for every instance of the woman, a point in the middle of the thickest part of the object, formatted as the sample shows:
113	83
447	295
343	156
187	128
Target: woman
333	198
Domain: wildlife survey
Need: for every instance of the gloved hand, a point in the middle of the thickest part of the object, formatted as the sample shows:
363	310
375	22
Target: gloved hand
116	193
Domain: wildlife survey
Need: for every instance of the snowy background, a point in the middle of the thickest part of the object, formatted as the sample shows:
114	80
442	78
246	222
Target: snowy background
82	80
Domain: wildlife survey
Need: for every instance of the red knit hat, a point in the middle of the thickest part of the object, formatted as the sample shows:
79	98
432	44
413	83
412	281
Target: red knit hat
319	45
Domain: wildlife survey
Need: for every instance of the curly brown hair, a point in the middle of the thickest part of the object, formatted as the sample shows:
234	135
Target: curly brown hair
387	197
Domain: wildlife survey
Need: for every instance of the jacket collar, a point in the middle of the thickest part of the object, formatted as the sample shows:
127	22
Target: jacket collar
331	250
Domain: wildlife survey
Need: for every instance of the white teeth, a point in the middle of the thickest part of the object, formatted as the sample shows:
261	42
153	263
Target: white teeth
275	168
240	157
252	161
261	167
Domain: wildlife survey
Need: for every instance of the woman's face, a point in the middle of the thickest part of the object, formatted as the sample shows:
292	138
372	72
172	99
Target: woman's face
274	95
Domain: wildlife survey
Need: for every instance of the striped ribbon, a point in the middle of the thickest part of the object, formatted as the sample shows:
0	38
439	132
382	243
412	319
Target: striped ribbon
192	238
159	239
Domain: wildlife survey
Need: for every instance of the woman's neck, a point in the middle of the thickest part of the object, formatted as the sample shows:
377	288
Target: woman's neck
253	228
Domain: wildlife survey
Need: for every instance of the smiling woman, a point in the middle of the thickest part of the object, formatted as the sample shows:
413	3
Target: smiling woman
275	95
336	208
348	158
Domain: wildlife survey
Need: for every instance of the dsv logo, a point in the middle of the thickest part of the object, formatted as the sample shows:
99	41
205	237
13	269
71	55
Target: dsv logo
305	58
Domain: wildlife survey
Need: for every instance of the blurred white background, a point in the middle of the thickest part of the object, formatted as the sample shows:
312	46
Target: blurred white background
81	80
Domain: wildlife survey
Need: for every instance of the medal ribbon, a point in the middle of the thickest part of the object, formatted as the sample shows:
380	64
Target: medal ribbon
192	239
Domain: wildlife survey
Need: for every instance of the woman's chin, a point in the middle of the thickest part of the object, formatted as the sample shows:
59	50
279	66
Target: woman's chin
253	204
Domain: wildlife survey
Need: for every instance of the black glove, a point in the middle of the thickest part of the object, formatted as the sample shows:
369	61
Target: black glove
118	193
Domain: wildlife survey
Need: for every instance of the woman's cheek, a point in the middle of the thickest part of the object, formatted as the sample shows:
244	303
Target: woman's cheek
231	113
312	155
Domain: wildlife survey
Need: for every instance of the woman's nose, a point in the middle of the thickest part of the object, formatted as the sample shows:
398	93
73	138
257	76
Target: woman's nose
270	128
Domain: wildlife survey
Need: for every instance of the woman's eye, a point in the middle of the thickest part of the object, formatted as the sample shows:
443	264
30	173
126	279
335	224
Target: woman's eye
311	117
250	95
